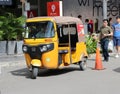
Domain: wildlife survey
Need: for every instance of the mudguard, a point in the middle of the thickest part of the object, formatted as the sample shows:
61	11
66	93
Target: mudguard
36	62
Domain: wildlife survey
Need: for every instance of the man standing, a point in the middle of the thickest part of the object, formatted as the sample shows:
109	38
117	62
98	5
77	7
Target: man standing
116	35
105	34
86	26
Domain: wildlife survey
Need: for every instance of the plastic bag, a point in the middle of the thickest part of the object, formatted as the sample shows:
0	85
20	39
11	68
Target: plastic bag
110	45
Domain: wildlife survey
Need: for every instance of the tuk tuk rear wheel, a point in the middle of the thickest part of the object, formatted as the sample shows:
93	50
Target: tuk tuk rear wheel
83	64
34	72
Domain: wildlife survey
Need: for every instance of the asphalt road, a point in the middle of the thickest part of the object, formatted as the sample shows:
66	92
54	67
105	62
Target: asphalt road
69	80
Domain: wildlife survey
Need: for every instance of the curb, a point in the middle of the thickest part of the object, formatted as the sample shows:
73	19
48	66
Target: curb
12	60
12	64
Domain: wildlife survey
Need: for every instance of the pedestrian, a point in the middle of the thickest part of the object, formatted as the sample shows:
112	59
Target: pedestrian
86	26
110	22
90	27
105	33
80	17
116	35
96	25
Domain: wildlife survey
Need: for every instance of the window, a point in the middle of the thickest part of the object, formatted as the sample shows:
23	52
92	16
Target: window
40	30
69	28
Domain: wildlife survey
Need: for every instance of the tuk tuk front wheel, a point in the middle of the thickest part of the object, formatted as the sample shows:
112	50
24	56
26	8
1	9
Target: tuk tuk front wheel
34	72
83	64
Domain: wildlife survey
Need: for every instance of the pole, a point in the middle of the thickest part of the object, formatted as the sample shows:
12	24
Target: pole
22	1
24	12
70	44
61	8
38	7
105	9
22	8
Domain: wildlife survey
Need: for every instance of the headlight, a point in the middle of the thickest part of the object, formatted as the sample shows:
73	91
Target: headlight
25	48
47	47
44	49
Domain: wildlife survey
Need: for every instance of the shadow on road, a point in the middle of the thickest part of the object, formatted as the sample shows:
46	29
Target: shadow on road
117	70
44	72
55	72
21	72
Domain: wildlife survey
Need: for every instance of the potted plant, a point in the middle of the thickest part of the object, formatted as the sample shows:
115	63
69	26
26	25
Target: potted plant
12	27
91	44
20	30
2	41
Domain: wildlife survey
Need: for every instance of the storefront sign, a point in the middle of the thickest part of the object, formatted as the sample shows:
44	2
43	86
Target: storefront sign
54	8
5	2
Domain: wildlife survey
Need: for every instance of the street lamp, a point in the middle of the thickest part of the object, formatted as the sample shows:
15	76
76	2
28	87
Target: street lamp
23	7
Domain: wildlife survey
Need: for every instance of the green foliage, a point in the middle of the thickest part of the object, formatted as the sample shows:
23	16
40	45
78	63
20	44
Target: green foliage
1	35
11	26
91	44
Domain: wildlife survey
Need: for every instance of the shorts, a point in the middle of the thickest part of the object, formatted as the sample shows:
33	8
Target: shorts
116	41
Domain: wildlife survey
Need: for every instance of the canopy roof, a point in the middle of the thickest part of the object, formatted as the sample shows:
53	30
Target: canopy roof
57	19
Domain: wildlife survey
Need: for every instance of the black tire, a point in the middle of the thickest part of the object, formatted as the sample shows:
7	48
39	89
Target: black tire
83	64
34	72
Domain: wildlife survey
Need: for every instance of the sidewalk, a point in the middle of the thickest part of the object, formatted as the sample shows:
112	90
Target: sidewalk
12	60
19	60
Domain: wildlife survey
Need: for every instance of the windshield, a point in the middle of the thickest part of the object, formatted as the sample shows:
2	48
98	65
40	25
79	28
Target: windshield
39	30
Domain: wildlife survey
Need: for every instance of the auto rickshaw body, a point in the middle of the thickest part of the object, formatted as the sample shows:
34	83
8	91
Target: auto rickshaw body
54	42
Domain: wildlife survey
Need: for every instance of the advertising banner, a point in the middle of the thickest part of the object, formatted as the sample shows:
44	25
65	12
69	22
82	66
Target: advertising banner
80	29
31	14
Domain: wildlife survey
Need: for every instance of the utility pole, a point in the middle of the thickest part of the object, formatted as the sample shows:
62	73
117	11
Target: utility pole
105	9
25	7
38	7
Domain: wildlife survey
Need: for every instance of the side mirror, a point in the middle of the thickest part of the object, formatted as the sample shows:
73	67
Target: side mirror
23	34
26	33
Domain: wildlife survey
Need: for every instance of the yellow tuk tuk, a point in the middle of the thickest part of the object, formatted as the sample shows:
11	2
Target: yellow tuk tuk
54	42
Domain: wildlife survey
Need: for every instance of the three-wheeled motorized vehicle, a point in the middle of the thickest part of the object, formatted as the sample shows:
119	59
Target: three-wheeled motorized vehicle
54	42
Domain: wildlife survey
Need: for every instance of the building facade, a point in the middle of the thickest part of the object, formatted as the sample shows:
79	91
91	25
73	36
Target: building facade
91	9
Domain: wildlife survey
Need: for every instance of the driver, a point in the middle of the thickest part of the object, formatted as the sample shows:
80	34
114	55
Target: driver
41	32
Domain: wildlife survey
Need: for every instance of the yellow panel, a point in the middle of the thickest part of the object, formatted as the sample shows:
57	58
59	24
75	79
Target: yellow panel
80	50
28	60
50	59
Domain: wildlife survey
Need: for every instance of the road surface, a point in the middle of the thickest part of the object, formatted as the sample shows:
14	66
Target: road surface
69	80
